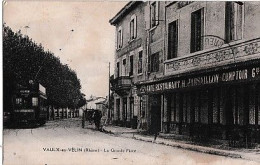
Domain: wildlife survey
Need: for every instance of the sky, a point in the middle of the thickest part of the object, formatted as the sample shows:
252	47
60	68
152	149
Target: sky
78	32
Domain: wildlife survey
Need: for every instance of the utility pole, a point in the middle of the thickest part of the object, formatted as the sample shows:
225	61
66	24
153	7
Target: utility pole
109	114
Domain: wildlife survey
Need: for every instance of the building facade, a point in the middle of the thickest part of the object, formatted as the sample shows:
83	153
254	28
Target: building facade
129	62
202	69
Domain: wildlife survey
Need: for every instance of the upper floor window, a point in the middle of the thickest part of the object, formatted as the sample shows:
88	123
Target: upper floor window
154	14
154	62
140	62
119	38
233	21
124	68
117	70
172	39
133	27
197	26
131	65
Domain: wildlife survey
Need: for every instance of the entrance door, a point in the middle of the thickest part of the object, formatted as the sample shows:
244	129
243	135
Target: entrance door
155	113
124	111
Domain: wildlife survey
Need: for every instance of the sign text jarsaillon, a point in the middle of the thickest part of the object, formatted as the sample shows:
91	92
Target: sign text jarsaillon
208	79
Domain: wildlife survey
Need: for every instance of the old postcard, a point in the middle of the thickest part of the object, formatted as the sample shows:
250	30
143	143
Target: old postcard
131	82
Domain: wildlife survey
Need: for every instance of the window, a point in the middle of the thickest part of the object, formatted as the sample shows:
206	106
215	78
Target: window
131	65
133	28
117	69
18	101
197	21
119	38
233	21
172	39
154	11
140	62
34	101
124	68
154	62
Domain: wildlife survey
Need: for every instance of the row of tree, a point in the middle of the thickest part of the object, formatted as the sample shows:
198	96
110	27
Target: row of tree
25	60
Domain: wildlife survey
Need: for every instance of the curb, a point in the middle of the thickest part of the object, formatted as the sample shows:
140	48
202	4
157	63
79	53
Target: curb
220	153
208	151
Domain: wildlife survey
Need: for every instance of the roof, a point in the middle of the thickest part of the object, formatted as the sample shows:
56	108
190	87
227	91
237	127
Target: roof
101	102
124	11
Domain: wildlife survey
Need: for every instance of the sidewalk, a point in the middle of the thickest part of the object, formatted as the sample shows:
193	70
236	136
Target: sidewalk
248	154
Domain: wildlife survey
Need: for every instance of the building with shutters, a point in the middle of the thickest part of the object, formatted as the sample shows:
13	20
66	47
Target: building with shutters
202	71
129	62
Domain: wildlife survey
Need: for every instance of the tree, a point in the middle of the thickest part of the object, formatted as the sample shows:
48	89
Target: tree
24	60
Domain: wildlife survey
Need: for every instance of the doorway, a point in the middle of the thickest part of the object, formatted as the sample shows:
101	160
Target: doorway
155	113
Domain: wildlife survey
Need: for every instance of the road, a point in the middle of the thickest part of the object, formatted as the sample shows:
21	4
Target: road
64	142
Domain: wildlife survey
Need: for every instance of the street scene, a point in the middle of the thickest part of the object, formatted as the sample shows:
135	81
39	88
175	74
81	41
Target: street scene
65	142
131	82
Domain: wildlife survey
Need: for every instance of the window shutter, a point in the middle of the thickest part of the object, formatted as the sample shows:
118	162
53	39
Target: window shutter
149	63
130	31
157	13
192	44
116	39
121	38
227	21
135	27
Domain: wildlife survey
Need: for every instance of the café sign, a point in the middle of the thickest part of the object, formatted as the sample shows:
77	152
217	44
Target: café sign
237	75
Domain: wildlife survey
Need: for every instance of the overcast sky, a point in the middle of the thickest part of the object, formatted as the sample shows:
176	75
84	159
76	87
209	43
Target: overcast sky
76	31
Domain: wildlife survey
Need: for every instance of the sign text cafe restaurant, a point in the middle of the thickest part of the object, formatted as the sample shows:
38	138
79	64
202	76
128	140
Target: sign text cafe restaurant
221	103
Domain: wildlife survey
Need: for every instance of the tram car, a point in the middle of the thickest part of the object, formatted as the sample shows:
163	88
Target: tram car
30	105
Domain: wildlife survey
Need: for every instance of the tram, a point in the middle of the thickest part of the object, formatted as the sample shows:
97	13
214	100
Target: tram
30	105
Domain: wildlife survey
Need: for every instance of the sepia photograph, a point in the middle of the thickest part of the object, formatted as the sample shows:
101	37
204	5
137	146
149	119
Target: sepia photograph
89	82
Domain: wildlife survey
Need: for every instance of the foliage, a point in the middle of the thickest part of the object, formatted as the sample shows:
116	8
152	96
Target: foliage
24	60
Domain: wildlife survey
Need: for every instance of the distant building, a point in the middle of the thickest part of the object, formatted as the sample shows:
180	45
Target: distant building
91	104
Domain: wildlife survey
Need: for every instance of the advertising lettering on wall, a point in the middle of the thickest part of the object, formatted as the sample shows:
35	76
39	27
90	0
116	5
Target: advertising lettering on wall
237	75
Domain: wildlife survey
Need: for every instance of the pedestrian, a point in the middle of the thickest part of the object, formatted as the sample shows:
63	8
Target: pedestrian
97	118
155	132
155	128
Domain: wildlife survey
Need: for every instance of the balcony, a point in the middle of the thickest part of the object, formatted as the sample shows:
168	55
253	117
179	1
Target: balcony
121	85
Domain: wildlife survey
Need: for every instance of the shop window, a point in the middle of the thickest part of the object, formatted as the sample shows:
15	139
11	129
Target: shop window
173	107
233	21
154	62
154	11
197	107
133	27
216	106
124	109
188	107
252	106
204	108
238	106
131	66
184	108
119	38
197	25
140	62
172	39
34	101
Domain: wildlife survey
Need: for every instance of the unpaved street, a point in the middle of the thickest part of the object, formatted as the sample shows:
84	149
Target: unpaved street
66	143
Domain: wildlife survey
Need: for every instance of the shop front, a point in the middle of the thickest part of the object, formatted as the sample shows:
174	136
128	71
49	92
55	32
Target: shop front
220	103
